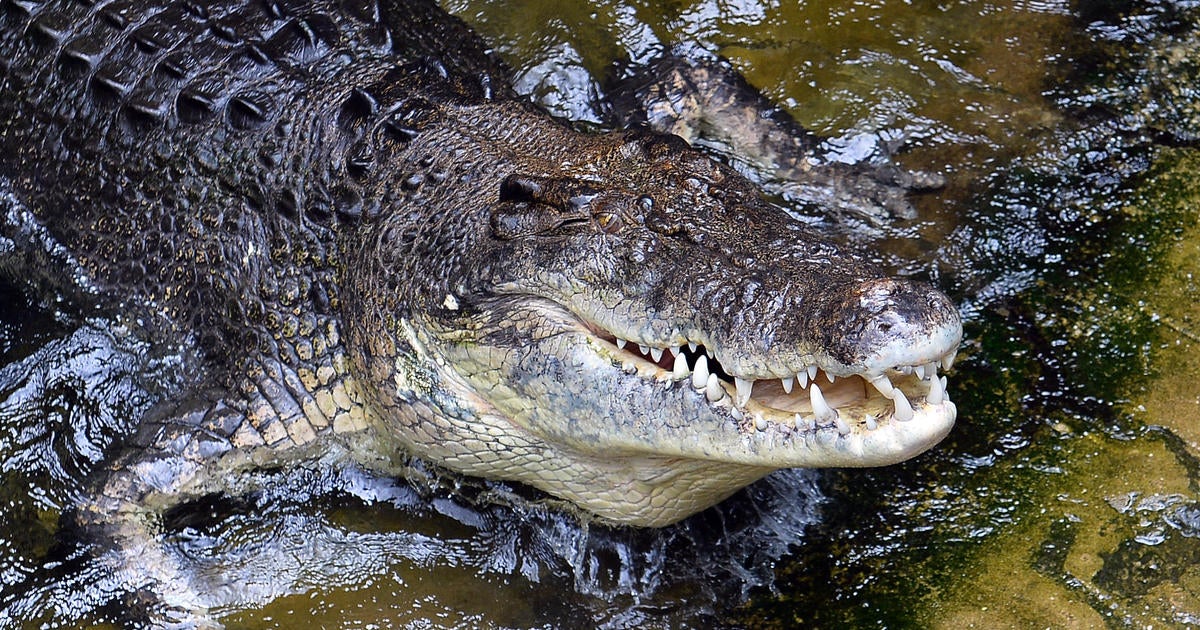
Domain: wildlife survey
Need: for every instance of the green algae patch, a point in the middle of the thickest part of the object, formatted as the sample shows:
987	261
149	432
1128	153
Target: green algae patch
1079	560
1172	398
1114	541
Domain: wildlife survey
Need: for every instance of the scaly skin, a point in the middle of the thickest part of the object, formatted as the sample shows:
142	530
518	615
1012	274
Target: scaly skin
373	249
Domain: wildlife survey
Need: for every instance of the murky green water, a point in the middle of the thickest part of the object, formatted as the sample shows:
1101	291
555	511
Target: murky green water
1066	497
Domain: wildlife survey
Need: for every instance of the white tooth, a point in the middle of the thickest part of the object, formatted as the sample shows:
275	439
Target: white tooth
736	413
700	375
920	370
644	349
937	392
812	372
883	384
620	343
904	411
788	383
744	387
830	376
942	380
843	427
680	369
656	354
692	346
931	369
948	360
760	423
817	399
802	377
872	423
712	389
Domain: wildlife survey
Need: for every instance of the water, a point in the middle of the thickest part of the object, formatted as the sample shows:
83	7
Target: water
1066	497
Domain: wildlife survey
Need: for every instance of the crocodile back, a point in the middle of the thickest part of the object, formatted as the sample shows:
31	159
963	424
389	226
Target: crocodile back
203	157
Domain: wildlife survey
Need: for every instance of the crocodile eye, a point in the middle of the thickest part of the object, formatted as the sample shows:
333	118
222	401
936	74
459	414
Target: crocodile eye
609	222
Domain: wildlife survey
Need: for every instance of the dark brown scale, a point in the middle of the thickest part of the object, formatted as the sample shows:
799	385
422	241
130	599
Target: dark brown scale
287	203
82	54
151	38
225	30
399	131
120	14
175	65
347	202
194	106
359	107
248	111
360	160
144	110
50	30
112	82
296	43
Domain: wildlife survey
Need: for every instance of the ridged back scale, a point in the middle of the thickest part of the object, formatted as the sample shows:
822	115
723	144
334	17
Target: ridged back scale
117	118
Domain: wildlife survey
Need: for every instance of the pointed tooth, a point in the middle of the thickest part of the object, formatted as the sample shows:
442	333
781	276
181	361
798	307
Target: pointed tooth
643	349
872	423
736	413
712	389
817	399
656	354
883	384
843	427
920	370
937	391
812	373
692	346
760	423
830	376
931	369
700	375
904	410
680	370
620	343
744	387
942	380
948	360
788	383
802	377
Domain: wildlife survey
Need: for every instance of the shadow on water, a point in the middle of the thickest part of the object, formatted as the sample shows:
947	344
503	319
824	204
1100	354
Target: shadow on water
1066	497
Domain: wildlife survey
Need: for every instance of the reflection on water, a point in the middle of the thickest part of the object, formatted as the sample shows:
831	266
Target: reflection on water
1065	498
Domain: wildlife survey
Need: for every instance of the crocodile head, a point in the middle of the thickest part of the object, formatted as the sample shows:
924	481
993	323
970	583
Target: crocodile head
640	333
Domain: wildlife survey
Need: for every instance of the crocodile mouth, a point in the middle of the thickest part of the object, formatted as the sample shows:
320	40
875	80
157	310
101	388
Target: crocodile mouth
811	400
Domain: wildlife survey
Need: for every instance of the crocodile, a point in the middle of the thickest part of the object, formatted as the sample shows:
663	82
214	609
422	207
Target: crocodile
369	249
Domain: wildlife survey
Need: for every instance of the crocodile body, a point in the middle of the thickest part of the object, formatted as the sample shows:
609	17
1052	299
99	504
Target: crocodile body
372	249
